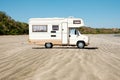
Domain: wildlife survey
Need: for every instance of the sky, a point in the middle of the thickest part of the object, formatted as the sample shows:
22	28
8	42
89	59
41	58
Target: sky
95	13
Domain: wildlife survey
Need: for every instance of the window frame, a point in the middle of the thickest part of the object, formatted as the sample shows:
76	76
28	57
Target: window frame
76	21
36	28
55	29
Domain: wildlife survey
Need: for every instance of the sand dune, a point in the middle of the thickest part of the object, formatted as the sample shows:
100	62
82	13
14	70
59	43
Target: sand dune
22	61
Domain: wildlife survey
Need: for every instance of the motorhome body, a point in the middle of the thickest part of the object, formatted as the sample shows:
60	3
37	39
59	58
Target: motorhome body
57	31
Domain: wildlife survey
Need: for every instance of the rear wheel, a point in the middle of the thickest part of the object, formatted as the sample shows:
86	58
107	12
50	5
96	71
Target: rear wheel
80	45
48	45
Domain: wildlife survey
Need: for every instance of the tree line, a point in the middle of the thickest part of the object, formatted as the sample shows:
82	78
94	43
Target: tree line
9	26
89	30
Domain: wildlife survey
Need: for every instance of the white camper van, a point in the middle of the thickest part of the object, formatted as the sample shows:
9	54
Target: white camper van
57	31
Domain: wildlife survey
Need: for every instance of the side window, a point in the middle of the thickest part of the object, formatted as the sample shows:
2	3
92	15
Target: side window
39	28
76	22
55	27
72	31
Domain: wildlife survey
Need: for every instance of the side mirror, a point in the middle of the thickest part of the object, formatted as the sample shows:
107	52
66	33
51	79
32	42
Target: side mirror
75	32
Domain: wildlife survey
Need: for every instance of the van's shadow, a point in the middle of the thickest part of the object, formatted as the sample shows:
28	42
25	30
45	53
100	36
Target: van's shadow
89	48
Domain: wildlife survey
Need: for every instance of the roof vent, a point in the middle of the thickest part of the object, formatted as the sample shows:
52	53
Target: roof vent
71	17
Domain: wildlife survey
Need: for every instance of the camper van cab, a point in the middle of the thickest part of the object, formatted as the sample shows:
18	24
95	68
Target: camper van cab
57	31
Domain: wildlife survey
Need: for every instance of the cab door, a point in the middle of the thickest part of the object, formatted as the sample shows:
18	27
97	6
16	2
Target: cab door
72	36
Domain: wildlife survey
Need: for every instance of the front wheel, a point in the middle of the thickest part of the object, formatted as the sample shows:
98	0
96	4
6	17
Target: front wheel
80	45
48	45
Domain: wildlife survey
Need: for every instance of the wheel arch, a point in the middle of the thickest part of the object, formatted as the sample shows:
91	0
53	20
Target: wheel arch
80	41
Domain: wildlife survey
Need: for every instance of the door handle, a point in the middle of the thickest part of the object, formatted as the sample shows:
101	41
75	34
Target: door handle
69	35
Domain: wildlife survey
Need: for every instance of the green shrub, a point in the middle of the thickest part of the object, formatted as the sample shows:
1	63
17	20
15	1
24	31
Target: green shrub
8	26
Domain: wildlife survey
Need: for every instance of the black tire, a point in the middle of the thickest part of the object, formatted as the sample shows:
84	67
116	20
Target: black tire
48	45
80	44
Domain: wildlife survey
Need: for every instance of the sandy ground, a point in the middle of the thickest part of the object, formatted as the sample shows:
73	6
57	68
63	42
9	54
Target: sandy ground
22	61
